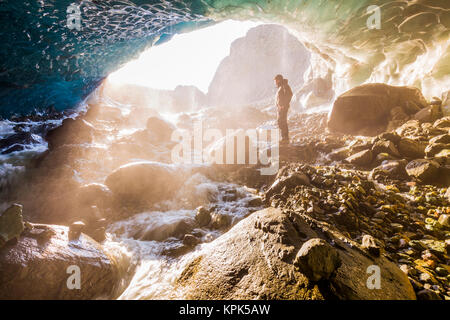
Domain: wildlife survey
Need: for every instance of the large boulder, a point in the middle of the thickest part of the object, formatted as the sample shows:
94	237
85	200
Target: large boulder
71	131
317	259
385	146
443	123
428	114
11	224
40	264
155	226
362	158
390	169
288	182
434	148
422	169
143	182
17	142
94	194
412	149
159	129
444	138
366	109
256	260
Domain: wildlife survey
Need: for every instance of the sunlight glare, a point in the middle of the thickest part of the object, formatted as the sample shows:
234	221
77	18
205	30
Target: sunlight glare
187	59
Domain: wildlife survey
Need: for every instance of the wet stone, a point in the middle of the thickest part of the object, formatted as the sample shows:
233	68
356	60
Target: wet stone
317	259
203	216
190	240
369	243
11	224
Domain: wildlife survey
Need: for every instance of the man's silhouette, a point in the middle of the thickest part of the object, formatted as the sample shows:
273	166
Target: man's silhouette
284	96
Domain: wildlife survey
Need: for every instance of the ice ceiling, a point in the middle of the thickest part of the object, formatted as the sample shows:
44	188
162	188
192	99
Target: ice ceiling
55	52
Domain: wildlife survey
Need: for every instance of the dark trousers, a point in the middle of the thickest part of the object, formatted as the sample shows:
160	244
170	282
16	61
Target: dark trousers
282	123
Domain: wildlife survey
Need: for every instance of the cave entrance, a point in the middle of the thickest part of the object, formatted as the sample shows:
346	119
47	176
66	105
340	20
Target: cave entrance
175	75
229	64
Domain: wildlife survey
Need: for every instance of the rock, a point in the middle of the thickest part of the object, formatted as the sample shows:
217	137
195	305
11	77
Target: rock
75	230
139	145
143	182
363	158
339	154
160	129
434	148
317	259
411	149
443	272
444	220
98	234
163	231
443	157
390	136
394	169
367	107
411	108
220	221
398	113
230	196
427	294
94	194
71	131
12	149
430	131
385	146
37	267
291	181
175	249
357	146
255	260
443	175
15	142
369	243
92	215
428	114
11	224
410	127
443	123
424	170
443	138
190	240
445	106
397	227
381	158
255	202
244	145
202	217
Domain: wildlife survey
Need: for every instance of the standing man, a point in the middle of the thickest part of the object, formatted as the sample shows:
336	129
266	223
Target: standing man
284	96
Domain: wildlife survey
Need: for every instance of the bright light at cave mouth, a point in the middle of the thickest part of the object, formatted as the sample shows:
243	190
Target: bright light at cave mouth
187	59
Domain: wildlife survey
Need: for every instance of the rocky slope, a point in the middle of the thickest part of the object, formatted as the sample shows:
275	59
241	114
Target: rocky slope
339	205
261	258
